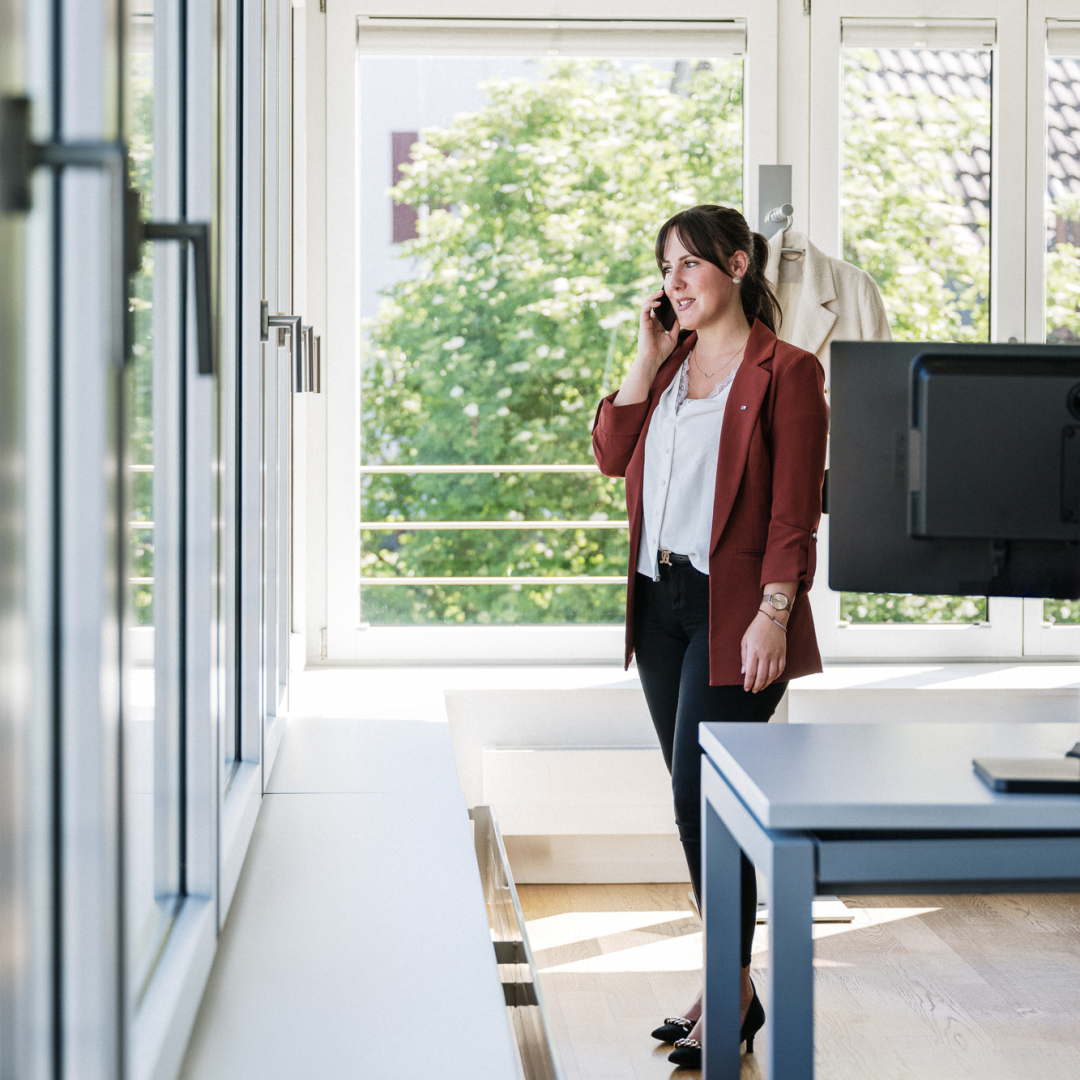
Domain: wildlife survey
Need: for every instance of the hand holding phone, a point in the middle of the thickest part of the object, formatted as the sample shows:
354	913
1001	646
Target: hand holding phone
665	312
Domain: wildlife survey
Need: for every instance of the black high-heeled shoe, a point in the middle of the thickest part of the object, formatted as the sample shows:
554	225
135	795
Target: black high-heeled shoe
687	1052
753	1022
673	1027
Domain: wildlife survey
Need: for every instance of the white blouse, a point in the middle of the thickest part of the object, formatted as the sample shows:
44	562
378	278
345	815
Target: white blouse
681	452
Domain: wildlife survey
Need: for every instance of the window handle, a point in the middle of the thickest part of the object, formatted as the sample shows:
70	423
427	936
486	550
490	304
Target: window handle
304	349
20	155
197	234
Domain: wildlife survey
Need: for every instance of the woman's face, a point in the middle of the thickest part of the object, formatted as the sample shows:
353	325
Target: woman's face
699	291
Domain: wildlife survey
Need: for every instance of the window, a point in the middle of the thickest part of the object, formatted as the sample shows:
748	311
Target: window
931	207
916	217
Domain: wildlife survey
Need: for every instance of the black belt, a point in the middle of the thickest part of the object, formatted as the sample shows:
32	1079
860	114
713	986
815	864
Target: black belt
671	558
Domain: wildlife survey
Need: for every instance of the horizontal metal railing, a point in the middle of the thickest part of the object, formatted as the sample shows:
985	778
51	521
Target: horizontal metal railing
517	969
569	579
548	523
390	470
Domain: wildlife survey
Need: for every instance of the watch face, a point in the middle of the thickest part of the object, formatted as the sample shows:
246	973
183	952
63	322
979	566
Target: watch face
779	601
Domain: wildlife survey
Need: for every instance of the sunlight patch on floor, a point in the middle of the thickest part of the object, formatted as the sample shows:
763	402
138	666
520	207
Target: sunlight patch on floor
671	954
682	953
864	917
575	926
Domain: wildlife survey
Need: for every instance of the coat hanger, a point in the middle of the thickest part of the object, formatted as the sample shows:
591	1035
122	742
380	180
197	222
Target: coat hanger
784	215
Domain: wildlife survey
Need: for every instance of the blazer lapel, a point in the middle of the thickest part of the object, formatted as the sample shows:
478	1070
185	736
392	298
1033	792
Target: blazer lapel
740	418
813	321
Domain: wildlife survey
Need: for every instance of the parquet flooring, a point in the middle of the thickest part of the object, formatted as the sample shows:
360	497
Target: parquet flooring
917	988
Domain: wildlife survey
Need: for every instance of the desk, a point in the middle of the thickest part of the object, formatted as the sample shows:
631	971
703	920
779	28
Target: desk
858	808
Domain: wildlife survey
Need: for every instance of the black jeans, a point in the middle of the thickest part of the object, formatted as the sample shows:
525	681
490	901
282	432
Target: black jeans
671	640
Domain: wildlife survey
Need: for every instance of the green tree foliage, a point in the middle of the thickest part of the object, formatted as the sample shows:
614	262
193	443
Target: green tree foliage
140	432
532	256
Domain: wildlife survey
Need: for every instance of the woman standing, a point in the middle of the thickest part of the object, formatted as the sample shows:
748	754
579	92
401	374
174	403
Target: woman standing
720	431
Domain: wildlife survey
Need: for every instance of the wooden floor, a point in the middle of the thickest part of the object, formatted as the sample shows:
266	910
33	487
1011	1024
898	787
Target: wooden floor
929	987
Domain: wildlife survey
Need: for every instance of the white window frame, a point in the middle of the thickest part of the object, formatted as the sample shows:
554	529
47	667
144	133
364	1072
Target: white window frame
332	627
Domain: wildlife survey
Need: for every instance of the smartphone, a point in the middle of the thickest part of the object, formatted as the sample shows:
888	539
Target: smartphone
665	313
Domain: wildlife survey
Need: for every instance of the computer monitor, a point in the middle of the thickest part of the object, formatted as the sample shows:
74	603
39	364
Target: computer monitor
955	469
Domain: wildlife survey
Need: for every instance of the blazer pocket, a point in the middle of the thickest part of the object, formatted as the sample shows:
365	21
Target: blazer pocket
754	553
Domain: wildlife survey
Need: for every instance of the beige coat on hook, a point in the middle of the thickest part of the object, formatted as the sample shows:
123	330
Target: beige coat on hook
823	299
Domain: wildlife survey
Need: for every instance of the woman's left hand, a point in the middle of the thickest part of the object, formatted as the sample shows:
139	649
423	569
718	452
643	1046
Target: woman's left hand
764	653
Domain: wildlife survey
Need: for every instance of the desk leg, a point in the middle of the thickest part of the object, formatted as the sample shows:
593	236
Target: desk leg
721	905
791	960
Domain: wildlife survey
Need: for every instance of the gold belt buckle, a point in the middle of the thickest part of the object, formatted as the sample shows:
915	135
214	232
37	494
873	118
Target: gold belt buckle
665	557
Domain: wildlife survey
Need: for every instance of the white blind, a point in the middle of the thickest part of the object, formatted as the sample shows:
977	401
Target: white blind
1063	37
971	34
545	37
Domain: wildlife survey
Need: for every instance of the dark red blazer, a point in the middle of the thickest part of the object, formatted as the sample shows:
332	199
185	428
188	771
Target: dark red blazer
767	503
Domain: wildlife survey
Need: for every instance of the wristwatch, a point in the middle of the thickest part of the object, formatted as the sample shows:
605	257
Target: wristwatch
778	600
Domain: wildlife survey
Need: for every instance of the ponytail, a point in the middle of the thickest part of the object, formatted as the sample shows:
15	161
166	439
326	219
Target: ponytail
715	233
758	299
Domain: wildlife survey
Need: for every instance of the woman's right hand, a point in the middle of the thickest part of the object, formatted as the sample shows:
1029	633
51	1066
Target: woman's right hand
655	345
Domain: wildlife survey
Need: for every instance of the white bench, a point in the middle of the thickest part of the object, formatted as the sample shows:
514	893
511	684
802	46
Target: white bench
357	943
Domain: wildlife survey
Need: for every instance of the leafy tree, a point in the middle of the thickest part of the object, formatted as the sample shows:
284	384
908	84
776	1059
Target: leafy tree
533	254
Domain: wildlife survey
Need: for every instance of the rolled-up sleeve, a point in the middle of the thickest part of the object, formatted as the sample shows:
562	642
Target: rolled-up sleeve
616	430
798	436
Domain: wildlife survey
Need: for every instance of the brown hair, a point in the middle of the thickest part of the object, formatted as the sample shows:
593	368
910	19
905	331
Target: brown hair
715	233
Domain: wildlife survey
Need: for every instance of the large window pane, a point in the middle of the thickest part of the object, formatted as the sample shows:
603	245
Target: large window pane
1063	234
916	217
500	279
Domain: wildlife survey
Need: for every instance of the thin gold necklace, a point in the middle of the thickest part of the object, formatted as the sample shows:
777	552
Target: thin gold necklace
709	375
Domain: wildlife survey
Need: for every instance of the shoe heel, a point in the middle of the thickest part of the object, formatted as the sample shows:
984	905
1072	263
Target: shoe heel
750	1045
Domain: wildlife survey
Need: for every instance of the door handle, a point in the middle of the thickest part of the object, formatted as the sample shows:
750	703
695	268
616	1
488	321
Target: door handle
20	155
304	348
